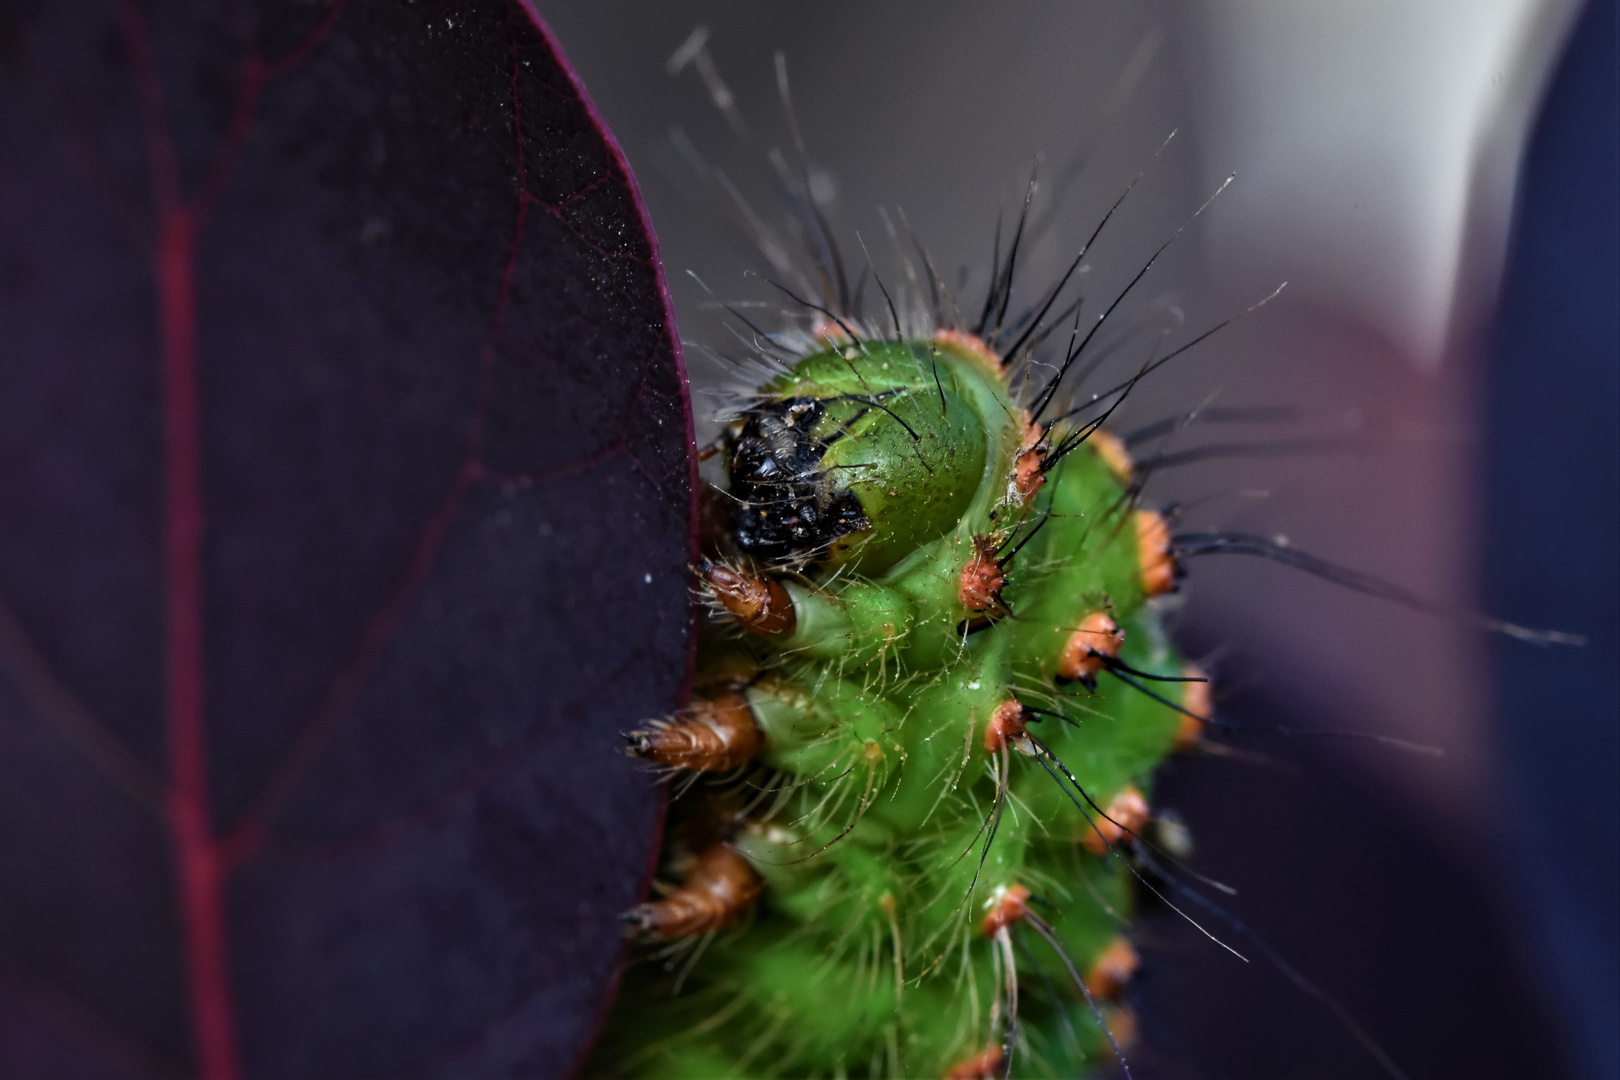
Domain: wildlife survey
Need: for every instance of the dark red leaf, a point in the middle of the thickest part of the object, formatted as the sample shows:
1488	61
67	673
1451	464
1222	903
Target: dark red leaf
345	476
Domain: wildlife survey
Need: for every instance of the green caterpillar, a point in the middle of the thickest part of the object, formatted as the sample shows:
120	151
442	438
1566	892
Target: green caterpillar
912	791
909	867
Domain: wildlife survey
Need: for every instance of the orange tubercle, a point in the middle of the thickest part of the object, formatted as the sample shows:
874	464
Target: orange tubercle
719	887
759	604
1029	470
1112	969
712	735
1196	698
1122	1024
1006	728
1159	569
985	1065
981	580
1010	908
1111	449
830	334
1088	650
1126	814
970	348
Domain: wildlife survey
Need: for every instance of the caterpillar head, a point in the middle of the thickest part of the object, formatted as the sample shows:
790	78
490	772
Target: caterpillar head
857	456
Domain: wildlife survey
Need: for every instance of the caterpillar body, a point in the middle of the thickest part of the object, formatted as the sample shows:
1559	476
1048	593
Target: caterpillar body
919	778
912	796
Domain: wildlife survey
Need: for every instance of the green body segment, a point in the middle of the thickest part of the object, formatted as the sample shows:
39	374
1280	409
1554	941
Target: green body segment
865	955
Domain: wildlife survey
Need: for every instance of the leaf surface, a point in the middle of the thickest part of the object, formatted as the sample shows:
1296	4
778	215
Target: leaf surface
345	505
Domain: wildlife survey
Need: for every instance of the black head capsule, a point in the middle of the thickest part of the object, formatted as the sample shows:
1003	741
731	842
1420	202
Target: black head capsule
863	457
785	505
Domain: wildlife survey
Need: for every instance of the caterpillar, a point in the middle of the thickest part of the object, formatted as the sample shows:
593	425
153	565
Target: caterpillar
932	629
915	786
933	685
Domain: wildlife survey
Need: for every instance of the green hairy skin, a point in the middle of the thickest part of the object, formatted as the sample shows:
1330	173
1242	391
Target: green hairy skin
947	565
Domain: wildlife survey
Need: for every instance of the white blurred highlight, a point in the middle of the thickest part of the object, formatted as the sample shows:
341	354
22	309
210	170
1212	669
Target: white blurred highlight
1378	141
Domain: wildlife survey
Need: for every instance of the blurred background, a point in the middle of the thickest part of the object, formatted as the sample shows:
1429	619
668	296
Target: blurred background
1461	907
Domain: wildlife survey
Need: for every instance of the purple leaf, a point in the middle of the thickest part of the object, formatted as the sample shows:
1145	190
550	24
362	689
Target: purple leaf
345	503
